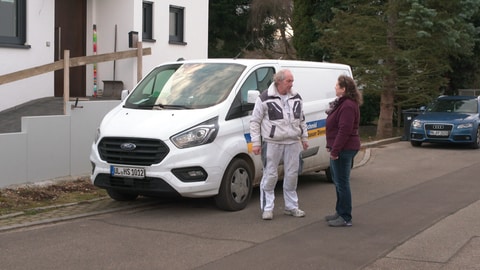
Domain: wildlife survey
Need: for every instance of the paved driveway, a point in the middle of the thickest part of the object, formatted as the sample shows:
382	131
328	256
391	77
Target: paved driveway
400	194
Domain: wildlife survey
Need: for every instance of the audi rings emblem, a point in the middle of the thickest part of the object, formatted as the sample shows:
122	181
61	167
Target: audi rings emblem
128	146
437	126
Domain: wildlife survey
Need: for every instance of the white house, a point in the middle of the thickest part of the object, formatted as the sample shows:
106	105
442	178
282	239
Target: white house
34	33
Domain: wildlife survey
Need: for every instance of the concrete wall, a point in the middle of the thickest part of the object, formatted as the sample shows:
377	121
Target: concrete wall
50	147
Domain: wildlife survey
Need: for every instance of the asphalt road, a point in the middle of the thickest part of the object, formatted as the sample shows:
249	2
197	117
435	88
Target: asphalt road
399	193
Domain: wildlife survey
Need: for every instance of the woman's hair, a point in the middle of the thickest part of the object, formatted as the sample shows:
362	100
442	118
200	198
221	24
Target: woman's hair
351	90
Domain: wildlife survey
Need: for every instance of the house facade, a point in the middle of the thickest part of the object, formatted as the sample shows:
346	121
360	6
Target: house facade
35	33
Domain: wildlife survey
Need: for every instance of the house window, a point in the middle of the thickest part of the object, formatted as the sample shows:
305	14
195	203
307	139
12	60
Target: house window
147	32
176	25
13	23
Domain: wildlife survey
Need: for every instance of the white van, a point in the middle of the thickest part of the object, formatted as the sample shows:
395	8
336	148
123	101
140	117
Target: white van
184	129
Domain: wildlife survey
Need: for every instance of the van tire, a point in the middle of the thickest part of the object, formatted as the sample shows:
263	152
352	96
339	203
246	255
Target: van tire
121	196
476	142
328	173
236	187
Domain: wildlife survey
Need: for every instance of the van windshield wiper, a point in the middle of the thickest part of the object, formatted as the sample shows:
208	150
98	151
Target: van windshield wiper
170	106
158	106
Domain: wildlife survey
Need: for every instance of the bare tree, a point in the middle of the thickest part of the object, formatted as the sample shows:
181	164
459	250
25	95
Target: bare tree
270	21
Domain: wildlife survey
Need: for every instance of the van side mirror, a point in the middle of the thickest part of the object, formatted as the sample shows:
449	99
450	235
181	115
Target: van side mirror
252	96
124	94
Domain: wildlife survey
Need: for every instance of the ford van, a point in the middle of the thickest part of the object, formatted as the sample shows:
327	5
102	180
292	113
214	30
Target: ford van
184	129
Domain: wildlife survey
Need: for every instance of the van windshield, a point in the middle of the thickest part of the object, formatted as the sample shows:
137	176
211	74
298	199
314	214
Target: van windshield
185	86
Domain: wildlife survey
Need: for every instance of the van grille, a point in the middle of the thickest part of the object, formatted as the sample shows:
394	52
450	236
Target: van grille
145	151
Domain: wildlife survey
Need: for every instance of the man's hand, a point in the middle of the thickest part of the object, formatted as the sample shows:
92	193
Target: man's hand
305	145
256	149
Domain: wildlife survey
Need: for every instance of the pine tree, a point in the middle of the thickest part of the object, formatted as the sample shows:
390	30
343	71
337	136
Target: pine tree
228	33
400	49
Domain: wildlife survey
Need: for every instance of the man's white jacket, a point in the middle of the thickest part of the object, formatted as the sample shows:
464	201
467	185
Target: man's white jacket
277	121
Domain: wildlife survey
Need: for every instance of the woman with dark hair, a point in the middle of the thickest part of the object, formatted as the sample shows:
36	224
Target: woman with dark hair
343	143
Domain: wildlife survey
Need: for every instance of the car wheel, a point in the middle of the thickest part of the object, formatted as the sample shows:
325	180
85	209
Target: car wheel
121	196
236	187
476	143
416	143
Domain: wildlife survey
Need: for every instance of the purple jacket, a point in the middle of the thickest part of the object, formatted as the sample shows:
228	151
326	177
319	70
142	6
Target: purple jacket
342	127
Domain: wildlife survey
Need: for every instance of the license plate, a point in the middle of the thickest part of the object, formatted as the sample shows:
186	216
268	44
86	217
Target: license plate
131	172
438	132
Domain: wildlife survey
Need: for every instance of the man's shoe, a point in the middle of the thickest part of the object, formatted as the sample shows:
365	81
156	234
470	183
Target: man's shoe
331	217
294	212
267	215
339	222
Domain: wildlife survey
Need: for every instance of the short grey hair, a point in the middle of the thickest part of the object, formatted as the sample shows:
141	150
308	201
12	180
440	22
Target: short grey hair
280	75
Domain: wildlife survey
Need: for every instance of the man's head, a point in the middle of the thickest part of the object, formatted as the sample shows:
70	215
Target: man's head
283	81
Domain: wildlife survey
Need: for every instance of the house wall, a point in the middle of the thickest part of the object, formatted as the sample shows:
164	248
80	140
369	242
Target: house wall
195	36
50	147
127	15
105	20
40	36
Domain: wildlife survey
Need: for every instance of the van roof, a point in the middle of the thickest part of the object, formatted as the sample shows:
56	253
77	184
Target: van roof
254	62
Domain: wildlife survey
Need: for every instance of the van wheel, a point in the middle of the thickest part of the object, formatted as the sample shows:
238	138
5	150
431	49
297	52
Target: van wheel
476	143
328	173
121	196
236	187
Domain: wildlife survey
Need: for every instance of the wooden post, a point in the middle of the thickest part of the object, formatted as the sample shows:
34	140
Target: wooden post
139	61
66	80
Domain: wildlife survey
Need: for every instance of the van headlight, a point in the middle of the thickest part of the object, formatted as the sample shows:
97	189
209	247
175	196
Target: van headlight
201	134
465	125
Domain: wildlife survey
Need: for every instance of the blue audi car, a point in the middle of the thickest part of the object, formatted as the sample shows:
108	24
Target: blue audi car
449	119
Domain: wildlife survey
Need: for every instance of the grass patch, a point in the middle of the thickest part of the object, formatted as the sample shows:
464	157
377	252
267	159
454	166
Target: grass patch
28	198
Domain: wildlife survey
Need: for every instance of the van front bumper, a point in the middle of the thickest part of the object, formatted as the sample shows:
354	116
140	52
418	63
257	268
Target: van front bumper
198	177
148	186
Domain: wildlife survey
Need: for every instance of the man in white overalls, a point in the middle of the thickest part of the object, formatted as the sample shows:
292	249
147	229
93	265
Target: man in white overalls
279	121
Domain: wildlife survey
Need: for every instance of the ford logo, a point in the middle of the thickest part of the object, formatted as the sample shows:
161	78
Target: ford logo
128	146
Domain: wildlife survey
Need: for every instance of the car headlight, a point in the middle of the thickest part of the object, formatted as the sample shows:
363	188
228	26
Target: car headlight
201	134
416	124
465	125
